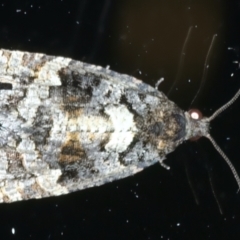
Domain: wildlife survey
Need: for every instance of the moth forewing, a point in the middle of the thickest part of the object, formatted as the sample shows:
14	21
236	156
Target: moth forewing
70	125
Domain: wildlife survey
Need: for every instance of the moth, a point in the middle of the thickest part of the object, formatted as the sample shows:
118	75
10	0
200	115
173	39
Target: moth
66	125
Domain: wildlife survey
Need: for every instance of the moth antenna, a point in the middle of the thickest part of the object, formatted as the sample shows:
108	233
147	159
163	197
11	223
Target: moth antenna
216	113
214	193
227	160
206	64
181	62
225	106
191	185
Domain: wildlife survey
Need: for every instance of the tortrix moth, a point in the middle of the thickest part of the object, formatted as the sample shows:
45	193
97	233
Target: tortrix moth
68	125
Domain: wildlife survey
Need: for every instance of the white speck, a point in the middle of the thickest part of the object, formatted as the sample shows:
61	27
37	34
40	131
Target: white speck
31	6
236	62
18	10
178	224
13	230
127	221
61	233
176	89
29	40
152	39
207	66
77	22
109	209
25	12
195	26
232	74
189	80
140	72
228	138
230	48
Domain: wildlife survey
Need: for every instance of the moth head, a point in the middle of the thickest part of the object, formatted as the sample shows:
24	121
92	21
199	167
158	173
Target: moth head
197	125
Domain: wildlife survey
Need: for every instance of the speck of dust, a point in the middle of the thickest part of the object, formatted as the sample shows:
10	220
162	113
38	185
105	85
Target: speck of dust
13	230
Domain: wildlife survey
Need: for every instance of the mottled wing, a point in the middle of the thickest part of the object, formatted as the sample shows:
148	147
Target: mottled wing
67	125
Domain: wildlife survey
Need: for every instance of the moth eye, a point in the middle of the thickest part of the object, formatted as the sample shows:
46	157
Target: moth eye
195	114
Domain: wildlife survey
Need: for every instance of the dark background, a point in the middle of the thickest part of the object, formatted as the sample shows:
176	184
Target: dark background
143	38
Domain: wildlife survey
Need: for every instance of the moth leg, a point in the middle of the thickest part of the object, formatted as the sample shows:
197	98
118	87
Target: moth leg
163	164
158	83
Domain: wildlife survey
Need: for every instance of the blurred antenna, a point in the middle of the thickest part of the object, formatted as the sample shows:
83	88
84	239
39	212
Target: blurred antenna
190	183
205	70
181	62
214	193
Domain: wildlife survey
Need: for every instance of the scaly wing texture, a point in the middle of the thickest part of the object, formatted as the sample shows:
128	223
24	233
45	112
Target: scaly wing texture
66	125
